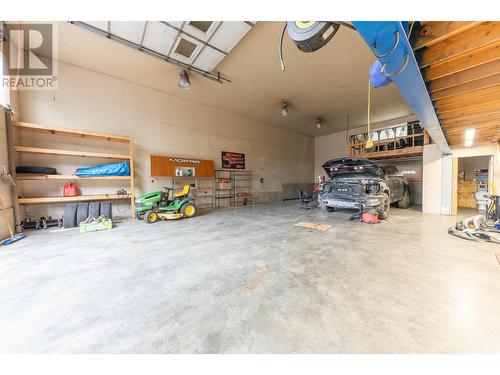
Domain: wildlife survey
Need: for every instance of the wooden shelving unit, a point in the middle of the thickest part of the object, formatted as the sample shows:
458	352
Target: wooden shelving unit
16	126
31	177
49	151
78	198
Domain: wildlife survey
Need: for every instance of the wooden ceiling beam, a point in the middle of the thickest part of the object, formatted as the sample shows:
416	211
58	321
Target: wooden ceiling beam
474	101
468	87
467	61
437	31
465	76
477	138
473	120
471	109
469	116
485	92
459	129
465	42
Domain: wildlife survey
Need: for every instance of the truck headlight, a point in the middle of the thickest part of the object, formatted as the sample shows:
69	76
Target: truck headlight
372	188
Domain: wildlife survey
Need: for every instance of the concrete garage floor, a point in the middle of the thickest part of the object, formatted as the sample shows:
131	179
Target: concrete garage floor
248	281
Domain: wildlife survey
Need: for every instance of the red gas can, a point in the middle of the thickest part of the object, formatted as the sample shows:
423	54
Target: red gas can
70	190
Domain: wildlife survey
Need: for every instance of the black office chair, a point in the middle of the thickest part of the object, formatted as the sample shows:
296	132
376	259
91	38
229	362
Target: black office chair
305	200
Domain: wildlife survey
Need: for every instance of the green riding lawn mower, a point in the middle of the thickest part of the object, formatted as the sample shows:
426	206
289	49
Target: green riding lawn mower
158	205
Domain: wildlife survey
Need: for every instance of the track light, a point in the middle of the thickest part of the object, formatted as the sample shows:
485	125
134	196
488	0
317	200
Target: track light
184	82
318	123
284	109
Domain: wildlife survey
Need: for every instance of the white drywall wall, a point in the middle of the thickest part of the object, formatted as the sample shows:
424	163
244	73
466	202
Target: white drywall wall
161	124
432	184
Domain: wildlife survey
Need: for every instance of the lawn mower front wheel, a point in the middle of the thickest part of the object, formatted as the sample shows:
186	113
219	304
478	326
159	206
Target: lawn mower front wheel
150	217
188	210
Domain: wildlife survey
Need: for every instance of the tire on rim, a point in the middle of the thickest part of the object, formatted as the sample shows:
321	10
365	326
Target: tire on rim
150	217
385	207
188	210
405	202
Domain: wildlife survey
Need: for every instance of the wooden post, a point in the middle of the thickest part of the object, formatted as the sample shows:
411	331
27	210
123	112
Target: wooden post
12	168
426	137
132	179
454	187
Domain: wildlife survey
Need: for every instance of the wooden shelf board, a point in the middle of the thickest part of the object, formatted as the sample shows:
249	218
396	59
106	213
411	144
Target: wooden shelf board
70	132
79	198
49	151
43	177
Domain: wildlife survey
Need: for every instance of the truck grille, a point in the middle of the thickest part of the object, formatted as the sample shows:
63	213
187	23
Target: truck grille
343	189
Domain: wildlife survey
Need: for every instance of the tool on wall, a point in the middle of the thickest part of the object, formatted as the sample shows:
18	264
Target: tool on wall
6	177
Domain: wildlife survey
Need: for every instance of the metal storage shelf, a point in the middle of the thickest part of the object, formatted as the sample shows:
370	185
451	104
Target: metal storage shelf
240	187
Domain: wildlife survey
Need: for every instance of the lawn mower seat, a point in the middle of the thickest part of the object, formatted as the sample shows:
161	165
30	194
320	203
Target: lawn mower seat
183	193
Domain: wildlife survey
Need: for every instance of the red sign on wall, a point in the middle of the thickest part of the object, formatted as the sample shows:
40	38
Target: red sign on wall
233	160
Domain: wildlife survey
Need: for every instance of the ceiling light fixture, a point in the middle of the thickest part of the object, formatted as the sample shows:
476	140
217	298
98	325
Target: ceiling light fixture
284	109
184	82
318	123
469	136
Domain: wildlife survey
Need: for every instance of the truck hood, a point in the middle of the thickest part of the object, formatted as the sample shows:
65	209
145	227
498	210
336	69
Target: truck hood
352	168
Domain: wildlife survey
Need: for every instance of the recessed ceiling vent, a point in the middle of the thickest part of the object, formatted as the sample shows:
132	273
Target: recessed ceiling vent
203	26
185	48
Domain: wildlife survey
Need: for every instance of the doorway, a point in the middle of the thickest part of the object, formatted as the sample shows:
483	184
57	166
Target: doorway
473	184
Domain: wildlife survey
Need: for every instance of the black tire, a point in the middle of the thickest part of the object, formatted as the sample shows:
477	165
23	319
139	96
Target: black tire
330	209
405	202
150	217
94	209
188	209
69	216
41	170
139	215
82	212
106	209
385	208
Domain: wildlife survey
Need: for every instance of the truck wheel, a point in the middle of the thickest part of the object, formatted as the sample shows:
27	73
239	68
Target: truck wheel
405	202
139	215
188	210
385	207
94	209
82	212
106	209
330	209
150	217
69	216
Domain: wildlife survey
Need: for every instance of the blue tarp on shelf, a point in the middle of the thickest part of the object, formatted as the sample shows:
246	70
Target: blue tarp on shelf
114	169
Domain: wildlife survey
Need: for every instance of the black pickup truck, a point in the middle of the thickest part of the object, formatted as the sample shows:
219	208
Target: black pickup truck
360	183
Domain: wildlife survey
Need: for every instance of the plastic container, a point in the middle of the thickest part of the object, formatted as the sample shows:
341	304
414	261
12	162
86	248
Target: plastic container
70	190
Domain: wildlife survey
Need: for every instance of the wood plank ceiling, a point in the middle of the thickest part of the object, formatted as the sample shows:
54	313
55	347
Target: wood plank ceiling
460	62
